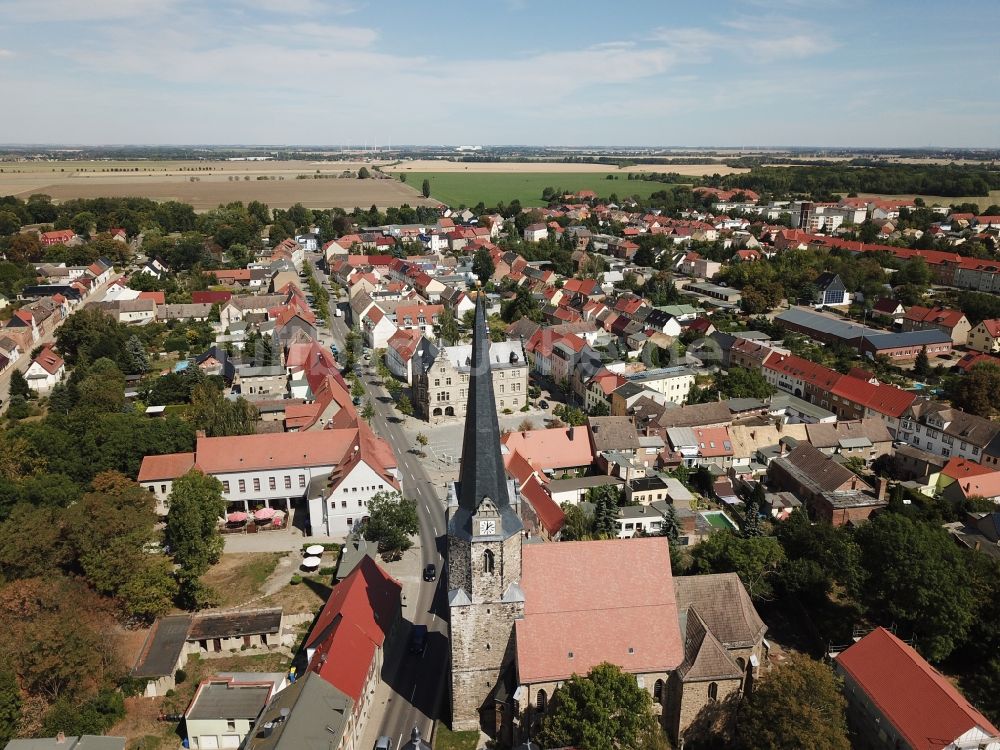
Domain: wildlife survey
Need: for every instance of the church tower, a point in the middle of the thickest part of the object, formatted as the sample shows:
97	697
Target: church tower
484	555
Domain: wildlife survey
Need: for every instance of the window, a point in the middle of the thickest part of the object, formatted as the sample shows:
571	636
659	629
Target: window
540	701
243	485
658	691
256	485
361	503
302	480
437	382
163	489
713	691
488	561
225	485
343	503
272	483
350	521
288	482
230	725
447	381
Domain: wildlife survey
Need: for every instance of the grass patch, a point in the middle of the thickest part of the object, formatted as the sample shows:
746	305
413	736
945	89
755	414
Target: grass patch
238	577
445	739
457	188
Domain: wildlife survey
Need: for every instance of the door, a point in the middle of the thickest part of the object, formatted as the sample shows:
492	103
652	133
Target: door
208	742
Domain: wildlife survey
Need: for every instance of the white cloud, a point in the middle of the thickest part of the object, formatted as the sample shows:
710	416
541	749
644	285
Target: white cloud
51	11
6	53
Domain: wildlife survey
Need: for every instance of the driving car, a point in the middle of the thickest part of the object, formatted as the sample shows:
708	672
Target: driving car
430	572
418	639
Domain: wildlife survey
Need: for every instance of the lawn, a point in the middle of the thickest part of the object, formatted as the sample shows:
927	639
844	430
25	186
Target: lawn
238	577
456	188
445	739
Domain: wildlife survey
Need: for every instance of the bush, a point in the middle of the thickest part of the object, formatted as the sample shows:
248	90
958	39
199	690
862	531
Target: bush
170	693
327	571
296	579
180	676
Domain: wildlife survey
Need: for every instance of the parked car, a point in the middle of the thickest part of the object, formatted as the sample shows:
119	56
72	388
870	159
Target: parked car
543	404
418	639
430	572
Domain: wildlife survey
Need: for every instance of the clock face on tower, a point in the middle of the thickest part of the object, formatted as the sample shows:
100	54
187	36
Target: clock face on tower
487	528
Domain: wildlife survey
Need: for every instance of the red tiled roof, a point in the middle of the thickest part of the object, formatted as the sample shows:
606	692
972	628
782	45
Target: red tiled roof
923	706
992	327
353	624
59	235
159	298
404	342
211	297
802	369
882	398
550	515
593	602
286	450
960	468
938	316
48	360
169	466
553	448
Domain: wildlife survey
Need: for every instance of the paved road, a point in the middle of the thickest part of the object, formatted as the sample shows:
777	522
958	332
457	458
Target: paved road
416	681
24	361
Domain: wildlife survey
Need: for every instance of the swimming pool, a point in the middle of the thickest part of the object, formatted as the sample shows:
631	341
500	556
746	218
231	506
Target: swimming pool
719	520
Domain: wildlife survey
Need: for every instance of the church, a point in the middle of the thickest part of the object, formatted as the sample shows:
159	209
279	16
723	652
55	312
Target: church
527	614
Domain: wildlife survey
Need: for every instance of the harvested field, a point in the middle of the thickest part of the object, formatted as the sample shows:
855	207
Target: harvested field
456	188
550	167
207	184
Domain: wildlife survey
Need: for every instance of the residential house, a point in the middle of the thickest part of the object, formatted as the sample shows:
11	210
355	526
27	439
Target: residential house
947	431
535	232
952	322
832	493
831	291
377	328
339	502
895	699
867	439
225	707
406	351
985	336
45	370
265	380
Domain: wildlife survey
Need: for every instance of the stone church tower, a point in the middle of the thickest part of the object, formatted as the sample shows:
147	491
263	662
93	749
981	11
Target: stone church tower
484	557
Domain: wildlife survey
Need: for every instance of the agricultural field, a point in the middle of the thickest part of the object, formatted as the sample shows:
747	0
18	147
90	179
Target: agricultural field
522	167
456	188
207	184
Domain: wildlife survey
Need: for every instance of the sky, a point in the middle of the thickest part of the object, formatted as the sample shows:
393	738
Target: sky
663	72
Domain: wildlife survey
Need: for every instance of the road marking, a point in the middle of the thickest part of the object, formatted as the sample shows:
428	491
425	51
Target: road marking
414	691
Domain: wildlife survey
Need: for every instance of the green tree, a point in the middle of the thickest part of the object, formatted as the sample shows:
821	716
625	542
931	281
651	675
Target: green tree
670	527
448	326
755	505
755	560
19	385
425	189
391	521
10	704
579	525
922	365
82	223
219	416
483	265
917	578
605	710
799	704
363	173
404	405
192	532
523	305
357	388
367	411
976	392
137	356
739	382
9	224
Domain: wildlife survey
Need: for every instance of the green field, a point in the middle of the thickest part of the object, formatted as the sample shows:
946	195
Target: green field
456	188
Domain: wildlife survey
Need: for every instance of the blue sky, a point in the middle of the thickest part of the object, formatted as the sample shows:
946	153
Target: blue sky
754	72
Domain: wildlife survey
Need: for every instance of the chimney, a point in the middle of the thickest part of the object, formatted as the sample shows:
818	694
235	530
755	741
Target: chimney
199	433
60	738
883	483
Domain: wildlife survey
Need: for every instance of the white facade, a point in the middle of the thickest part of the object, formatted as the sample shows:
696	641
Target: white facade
347	503
41	380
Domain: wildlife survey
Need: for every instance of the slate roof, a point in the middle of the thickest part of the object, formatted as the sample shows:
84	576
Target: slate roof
482	474
723	605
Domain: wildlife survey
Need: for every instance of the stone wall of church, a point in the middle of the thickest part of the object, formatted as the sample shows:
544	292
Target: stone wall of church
686	700
482	642
459	570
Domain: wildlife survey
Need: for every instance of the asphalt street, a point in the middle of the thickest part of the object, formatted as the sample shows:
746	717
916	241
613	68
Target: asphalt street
417	681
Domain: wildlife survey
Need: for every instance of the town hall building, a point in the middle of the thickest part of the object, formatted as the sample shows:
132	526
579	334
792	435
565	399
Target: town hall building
528	614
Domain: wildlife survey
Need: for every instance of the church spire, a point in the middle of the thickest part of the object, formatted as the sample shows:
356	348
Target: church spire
482	472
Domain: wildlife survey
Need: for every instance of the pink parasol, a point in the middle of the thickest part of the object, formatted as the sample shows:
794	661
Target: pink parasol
263	514
236	517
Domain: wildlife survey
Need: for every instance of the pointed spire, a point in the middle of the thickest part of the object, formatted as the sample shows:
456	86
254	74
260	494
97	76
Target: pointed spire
482	472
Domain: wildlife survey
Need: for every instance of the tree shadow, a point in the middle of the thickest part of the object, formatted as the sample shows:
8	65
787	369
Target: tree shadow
714	726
